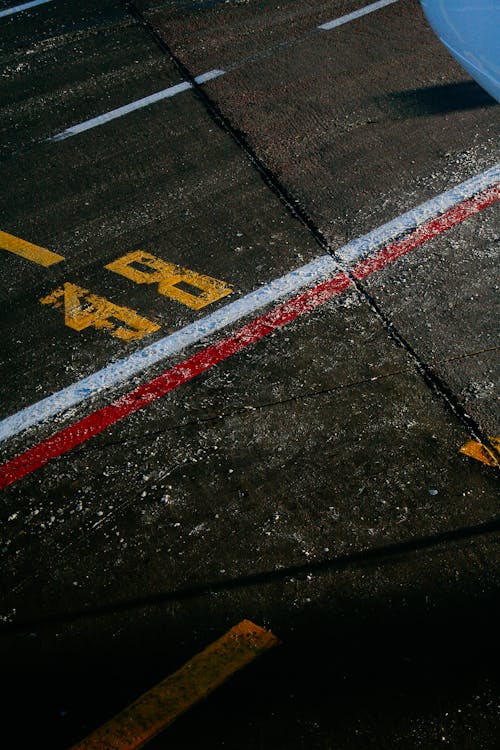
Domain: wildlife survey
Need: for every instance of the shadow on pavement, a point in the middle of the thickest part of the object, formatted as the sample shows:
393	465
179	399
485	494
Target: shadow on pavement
377	556
396	653
436	100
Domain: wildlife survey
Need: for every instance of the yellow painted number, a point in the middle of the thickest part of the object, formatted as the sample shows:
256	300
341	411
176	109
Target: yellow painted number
173	281
84	310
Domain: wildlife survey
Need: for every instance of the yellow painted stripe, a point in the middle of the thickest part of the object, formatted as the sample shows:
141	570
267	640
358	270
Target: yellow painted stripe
27	250
482	452
160	706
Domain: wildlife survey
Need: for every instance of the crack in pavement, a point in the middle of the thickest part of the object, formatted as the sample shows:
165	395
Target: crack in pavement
435	383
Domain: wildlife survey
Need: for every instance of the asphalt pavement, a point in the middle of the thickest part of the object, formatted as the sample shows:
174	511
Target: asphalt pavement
249	292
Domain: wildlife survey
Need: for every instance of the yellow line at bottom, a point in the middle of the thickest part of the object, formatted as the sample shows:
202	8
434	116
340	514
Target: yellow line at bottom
160	706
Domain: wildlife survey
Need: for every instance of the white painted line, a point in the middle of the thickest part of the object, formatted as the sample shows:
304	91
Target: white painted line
358	249
204	77
20	8
125	368
138	104
95	122
309	275
355	14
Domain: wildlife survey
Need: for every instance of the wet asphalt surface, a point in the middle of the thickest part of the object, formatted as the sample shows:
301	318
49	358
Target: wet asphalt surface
311	483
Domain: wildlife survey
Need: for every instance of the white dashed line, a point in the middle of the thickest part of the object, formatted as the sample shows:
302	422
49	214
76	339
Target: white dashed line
94	122
355	14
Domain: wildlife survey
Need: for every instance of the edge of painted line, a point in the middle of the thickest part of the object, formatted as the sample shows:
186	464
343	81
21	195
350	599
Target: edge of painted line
24	6
341	20
185	85
413	218
99	420
162	704
172	344
125	109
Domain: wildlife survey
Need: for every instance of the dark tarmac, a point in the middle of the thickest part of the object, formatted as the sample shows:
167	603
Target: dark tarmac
312	482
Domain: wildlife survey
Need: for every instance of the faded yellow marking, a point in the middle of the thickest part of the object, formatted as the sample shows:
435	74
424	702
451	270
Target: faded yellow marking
160	706
84	310
482	452
167	275
27	250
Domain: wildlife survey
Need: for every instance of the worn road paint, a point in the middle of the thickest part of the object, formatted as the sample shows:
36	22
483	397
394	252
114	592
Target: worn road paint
139	398
85	310
27	250
418	216
160	706
122	370
266	52
355	14
20	8
168	276
485	185
113	114
481	452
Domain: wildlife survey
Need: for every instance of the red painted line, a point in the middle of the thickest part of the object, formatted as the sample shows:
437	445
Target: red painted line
426	232
95	423
98	421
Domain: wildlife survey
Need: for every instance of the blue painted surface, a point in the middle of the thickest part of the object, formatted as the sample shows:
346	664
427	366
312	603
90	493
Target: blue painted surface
470	29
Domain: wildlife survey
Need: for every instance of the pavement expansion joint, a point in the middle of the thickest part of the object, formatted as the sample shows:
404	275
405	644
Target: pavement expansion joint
270	179
256	472
435	383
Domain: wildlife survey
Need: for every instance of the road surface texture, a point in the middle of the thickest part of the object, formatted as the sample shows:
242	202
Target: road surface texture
247	325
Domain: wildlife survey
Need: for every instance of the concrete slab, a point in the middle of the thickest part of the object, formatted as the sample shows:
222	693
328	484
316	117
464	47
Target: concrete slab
46	23
423	654
194	200
359	122
221	34
313	481
75	75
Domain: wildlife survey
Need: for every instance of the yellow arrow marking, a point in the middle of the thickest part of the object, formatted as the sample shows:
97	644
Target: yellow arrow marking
160	706
482	452
27	250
